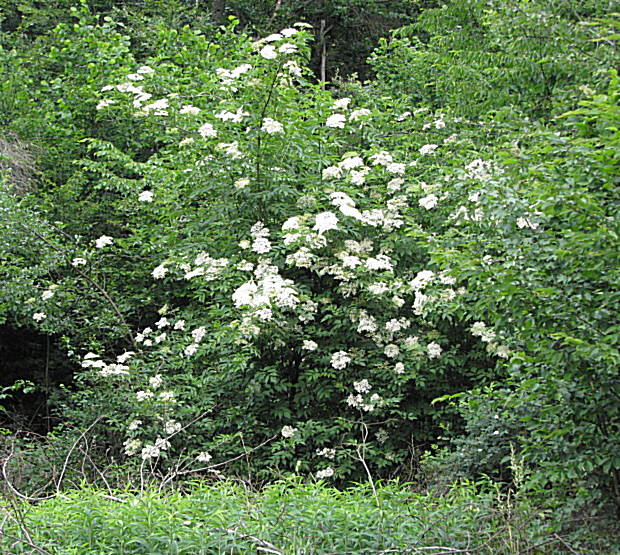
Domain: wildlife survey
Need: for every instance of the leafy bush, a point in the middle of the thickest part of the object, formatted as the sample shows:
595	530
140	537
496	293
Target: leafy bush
287	517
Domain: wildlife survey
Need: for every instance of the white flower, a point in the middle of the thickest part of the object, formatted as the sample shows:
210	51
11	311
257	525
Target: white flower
48	294
104	103
411	342
160	272
259	230
351	162
264	314
188	109
293	68
162	444
241	183
418	302
131	446
145	70
78	262
332	172
124	357
38	316
288	32
172	427
434	350
421	280
309	345
235	117
399	368
336	120
149	452
145	196
134	425
391	351
156	381
325	473
382	158
363	386
395	167
340	359
268	52
103	241
357	114
199	333
162	322
179	325
525	222
341	103
290	238
287	48
291	223
367	323
378	288
395	184
261	245
379	262
288	431
272	126
358	177
206	130
167	396
190	350
159	107
204	457
302	258
326	452
273	37
144	395
325	221
428	202
428	149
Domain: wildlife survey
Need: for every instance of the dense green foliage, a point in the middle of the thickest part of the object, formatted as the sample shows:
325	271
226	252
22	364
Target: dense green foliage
289	517
248	273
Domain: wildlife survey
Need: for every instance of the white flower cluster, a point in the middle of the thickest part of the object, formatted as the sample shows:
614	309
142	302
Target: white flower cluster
261	243
205	265
106	370
153	451
280	44
259	296
481	170
229	76
326	452
325	473
103	241
357	401
271	126
234	117
340	359
288	432
488	336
